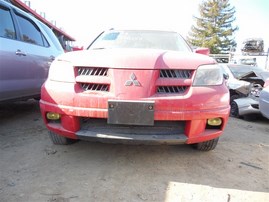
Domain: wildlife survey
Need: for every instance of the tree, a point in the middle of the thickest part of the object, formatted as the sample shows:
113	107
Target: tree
214	28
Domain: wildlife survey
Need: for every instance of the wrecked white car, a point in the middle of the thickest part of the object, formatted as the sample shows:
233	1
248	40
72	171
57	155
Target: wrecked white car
245	84
253	45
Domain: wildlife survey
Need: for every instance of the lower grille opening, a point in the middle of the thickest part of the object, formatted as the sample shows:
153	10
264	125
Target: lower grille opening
255	106
159	127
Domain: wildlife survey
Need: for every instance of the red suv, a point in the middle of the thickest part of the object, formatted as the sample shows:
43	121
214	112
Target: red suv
134	86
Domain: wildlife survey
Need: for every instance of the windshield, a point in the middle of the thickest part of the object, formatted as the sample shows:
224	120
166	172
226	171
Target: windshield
141	39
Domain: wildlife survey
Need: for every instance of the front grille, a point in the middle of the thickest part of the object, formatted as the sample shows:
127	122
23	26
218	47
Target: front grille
94	87
92	71
175	73
90	84
171	89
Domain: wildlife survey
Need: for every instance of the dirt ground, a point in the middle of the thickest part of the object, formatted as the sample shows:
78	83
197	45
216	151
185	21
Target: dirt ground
32	169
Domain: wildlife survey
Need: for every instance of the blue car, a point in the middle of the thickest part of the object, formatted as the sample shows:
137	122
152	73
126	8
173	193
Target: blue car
27	48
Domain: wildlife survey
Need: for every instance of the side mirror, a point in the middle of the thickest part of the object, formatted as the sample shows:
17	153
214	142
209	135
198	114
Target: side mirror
204	51
225	76
77	48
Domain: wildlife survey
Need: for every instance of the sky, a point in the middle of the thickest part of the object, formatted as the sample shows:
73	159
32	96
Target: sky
84	20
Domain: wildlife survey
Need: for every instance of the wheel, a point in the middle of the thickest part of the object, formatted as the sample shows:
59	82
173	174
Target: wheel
60	140
234	110
206	146
233	97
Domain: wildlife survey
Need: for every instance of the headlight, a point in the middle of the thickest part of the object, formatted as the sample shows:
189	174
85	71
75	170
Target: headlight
62	71
208	75
255	90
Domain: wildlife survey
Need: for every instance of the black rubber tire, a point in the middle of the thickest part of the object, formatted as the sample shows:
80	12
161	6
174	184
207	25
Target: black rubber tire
206	146
234	110
233	97
60	140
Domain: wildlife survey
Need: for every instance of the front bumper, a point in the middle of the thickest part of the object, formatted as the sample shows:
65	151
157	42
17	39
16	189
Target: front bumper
189	130
247	106
86	115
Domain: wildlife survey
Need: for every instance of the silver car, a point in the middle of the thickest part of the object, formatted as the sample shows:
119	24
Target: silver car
264	101
27	48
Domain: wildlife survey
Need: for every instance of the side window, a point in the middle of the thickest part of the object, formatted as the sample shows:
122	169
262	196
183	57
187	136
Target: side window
45	42
51	36
7	29
29	31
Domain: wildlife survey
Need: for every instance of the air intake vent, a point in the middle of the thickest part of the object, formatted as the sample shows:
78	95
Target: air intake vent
92	71
171	89
175	73
94	87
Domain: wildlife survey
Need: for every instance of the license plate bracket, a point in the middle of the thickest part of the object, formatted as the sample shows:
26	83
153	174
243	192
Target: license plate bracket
131	112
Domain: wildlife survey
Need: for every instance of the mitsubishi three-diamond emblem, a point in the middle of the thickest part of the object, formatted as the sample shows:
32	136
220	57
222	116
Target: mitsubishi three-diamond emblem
132	81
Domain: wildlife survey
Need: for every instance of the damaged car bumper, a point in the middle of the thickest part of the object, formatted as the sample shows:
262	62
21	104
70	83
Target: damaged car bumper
247	106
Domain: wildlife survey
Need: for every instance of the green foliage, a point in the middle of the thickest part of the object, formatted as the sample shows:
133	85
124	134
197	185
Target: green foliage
214	28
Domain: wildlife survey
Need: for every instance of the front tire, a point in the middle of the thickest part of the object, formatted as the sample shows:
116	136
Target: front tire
207	145
234	110
233	97
60	140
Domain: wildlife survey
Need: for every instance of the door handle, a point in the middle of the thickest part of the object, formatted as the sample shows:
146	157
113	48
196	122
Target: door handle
20	53
52	58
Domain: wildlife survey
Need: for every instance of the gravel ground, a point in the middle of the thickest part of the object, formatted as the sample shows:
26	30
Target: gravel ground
33	169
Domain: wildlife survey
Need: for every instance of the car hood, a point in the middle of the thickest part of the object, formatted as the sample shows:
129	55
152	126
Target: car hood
259	75
136	58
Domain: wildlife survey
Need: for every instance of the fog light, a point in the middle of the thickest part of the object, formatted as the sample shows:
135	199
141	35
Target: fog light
53	116
214	122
